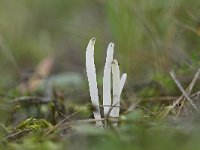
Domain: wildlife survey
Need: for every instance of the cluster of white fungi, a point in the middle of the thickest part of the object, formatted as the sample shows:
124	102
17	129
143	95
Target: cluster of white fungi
111	101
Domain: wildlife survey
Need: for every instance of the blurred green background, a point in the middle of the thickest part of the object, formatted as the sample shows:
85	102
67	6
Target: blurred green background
151	37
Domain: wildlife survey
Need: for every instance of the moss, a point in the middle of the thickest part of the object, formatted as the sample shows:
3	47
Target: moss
34	124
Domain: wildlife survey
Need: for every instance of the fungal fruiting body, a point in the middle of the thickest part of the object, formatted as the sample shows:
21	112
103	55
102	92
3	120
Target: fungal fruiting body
107	79
111	102
91	74
116	89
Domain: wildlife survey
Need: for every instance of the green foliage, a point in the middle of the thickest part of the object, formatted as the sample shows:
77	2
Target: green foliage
140	133
34	124
161	84
155	35
34	142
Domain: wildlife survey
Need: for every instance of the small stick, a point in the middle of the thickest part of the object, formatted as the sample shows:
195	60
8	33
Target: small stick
62	121
113	120
189	88
182	90
16	134
31	99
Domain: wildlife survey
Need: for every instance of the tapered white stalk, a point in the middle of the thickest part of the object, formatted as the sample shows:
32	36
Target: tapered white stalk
122	82
107	79
91	74
116	89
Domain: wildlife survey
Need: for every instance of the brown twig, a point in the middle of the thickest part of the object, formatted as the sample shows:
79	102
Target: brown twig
31	100
161	99
92	120
16	135
62	121
185	94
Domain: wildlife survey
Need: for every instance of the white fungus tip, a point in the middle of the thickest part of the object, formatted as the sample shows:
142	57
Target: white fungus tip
124	75
93	40
122	82
111	44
